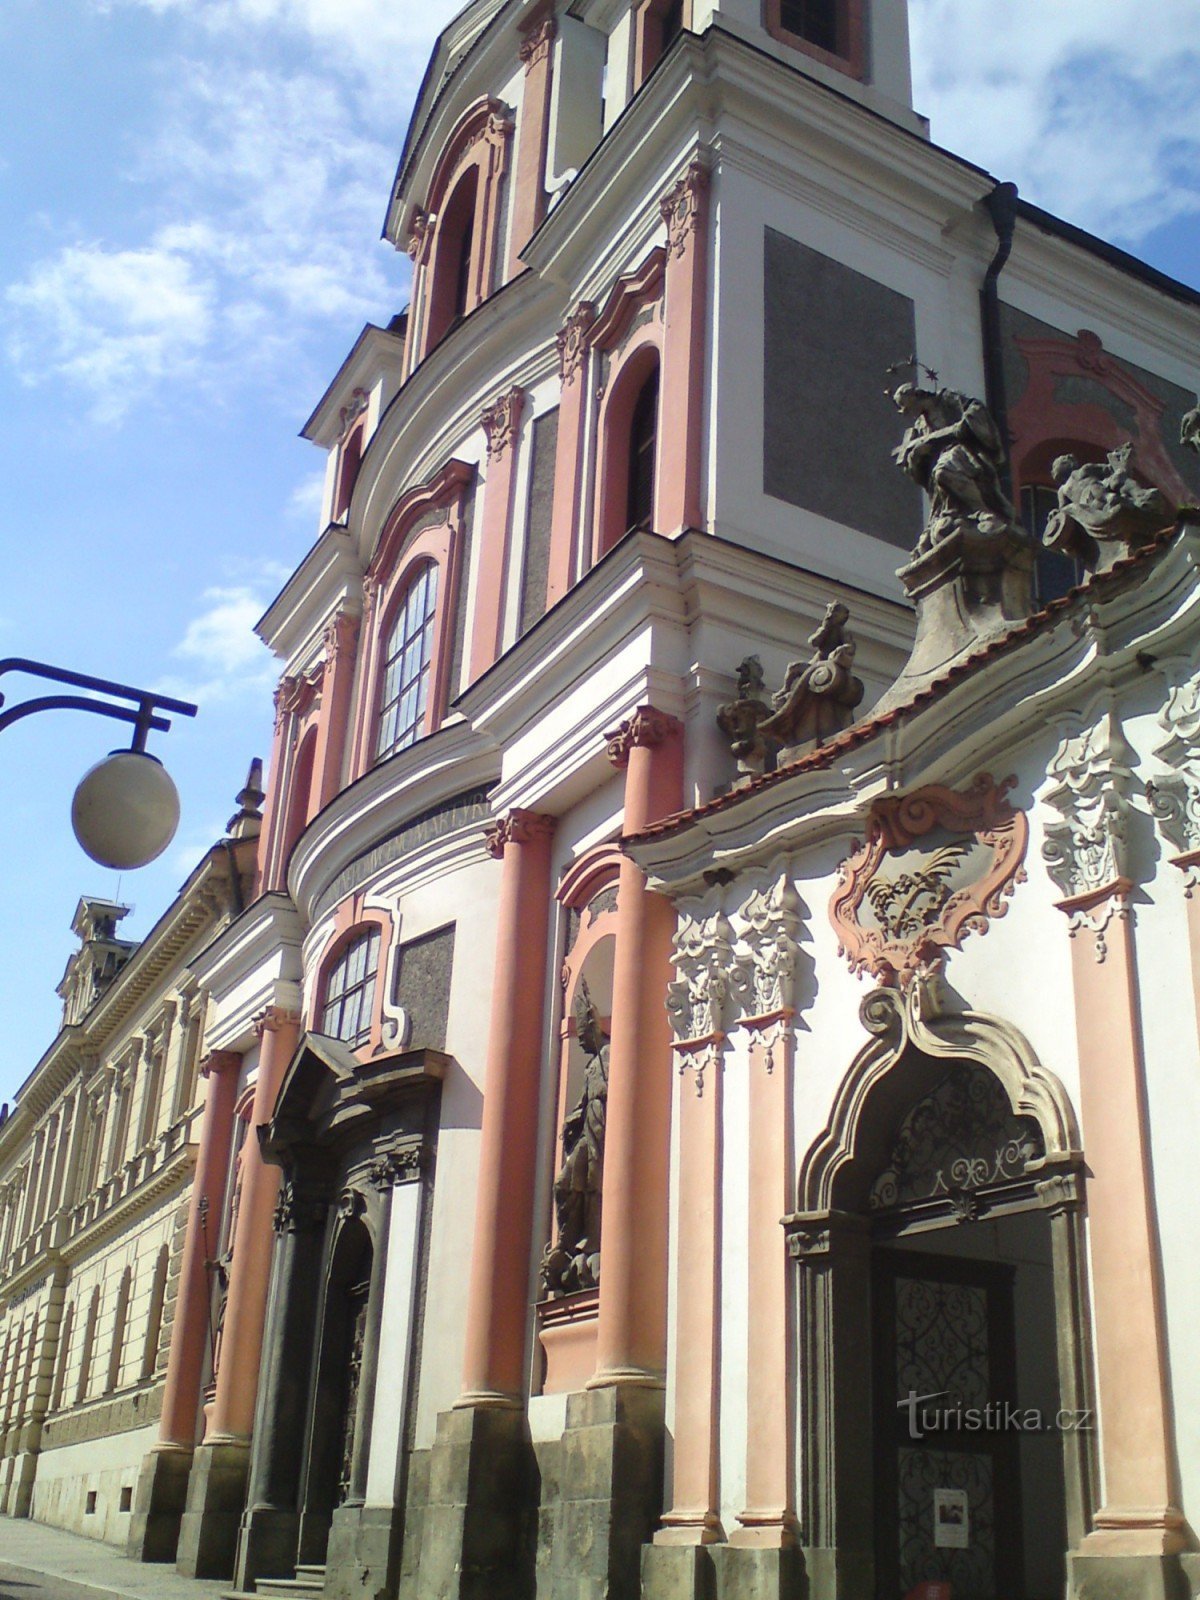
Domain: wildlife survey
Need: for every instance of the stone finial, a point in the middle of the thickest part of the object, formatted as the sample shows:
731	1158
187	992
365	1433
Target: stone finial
739	720
247	819
1103	513
1189	431
819	696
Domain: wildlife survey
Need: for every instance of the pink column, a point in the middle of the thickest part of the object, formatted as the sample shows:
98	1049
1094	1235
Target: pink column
568	465
502	424
679	499
1140	1515
769	1517
190	1328
231	1415
341	639
632	1330
533	135
274	814
494	1365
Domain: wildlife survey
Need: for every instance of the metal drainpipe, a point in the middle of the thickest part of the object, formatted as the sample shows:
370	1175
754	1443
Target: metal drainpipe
1001	206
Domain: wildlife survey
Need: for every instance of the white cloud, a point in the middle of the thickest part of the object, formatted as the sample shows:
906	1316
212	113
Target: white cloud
1079	103
223	657
304	502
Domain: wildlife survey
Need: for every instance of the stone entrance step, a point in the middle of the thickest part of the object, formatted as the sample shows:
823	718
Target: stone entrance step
309	1580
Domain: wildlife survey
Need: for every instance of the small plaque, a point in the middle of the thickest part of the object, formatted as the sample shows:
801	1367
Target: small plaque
951	1520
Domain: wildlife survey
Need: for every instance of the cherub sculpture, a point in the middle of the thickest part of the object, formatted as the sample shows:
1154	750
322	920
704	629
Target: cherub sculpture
572	1260
739	719
1103	512
953	450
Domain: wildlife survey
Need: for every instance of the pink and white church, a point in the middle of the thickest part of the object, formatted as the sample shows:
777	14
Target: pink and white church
614	1130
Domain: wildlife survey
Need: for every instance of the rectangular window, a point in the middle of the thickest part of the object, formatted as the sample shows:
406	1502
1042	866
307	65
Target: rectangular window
350	992
814	21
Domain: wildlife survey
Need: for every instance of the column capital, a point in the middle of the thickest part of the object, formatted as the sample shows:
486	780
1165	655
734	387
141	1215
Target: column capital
274	1019
218	1061
647	728
537	38
502	421
682	207
341	632
1086	853
572	342
518	827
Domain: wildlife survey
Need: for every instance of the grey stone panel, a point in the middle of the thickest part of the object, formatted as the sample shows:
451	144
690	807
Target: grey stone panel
828	426
536	574
423	970
158	1505
1074	390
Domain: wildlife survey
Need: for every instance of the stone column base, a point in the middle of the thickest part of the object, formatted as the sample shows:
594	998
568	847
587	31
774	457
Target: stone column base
208	1533
266	1545
723	1572
364	1552
609	1493
1127	1577
159	1502
477	1536
24	1474
838	1574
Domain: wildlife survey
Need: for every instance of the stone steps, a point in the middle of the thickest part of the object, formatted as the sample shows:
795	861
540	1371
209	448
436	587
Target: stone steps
309	1580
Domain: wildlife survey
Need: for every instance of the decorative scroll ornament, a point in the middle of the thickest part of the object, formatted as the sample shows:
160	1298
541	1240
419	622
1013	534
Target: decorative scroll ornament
518	827
502	421
1175	799
1085	853
351	411
647	728
681	207
419	234
936	865
537	40
573	342
301	1207
403	1164
767	974
701	998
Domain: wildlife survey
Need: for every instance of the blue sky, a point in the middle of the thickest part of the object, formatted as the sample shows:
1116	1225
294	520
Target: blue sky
191	194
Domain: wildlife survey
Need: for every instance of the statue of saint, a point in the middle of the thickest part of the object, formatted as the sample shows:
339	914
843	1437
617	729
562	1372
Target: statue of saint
572	1260
953	450
1103	512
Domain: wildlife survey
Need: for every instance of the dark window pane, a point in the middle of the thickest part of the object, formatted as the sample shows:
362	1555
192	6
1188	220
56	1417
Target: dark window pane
815	21
672	24
643	446
408	653
1055	573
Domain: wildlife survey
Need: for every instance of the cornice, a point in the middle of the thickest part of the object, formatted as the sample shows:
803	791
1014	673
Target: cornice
328	578
375	351
265	939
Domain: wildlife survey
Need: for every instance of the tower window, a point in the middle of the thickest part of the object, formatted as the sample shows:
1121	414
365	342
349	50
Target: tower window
814	21
350	991
406	667
643	447
672	25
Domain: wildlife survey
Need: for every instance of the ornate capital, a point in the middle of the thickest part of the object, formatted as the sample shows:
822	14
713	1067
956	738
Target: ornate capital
772	918
284	696
647	727
682	207
537	41
518	827
404	1164
218	1061
573	342
419	233
273	1019
341	633
1175	799
1086	852
502	421
301	1207
701	998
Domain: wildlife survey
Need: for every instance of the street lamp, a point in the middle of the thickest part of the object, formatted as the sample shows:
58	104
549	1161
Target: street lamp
126	808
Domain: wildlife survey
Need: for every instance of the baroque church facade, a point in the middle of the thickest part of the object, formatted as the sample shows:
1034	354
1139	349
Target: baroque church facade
708	1071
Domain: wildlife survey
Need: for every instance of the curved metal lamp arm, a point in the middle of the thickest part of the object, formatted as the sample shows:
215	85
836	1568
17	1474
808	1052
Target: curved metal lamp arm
141	713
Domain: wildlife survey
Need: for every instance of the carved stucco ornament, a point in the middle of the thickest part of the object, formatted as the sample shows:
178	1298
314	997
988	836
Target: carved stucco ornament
1103	513
1175	797
768	974
1086	853
701	999
936	865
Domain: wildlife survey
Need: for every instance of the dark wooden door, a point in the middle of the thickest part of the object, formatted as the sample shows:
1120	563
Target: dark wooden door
947	1482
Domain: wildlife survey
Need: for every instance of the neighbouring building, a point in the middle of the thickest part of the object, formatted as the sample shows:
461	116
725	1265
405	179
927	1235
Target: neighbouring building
96	1163
633	1122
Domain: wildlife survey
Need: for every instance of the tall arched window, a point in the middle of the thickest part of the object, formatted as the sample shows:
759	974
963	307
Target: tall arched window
453	291
120	1319
643	446
349	1002
158	1294
408	653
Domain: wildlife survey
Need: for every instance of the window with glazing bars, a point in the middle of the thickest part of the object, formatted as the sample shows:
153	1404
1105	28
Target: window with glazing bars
815	21
406	667
350	991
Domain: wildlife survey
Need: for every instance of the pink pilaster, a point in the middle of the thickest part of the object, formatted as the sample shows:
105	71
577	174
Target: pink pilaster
1140	1514
274	812
568	467
533	135
679	497
231	1415
494	1365
502	425
341	640
190	1328
632	1331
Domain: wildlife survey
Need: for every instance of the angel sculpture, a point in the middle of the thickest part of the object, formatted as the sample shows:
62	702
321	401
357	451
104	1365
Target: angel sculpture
572	1260
1103	512
953	450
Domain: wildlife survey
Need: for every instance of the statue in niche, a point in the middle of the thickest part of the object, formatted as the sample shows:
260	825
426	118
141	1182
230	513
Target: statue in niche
739	720
819	696
1103	512
1189	430
572	1261
953	450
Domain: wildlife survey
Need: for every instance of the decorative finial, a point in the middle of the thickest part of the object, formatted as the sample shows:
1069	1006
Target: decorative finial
246	822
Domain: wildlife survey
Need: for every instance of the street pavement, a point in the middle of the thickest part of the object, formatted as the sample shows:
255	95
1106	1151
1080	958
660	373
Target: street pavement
40	1563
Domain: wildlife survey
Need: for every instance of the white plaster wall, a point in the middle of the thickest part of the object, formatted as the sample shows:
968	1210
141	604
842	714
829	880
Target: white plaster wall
396	1346
104	1466
576	99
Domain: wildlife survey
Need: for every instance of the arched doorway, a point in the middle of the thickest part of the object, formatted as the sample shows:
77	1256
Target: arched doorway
945	1373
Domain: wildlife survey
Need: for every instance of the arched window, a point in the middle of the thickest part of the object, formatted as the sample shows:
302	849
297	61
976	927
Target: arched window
1054	573
643	446
120	1318
349	1002
408	652
300	791
64	1357
158	1294
349	461
453	291
89	1344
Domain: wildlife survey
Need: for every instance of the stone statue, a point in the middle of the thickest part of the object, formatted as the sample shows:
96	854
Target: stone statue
953	450
572	1260
819	696
1103	512
739	720
1189	432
